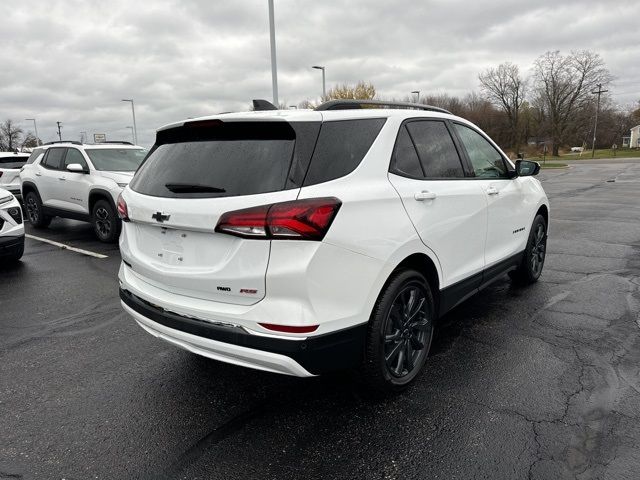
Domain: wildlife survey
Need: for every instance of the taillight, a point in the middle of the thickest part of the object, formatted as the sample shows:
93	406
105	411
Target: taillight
307	219
123	211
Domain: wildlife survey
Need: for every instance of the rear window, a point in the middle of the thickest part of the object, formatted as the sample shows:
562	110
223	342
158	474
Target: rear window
13	161
220	159
341	147
116	159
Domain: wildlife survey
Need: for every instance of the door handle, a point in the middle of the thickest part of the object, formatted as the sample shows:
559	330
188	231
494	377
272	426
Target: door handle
61	178
492	191
424	195
38	174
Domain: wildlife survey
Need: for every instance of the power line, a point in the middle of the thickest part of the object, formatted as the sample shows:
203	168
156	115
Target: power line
595	124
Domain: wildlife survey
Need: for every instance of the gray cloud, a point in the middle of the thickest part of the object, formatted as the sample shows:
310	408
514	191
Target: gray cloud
74	61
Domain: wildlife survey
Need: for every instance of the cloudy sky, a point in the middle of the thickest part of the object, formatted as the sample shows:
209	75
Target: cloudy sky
74	61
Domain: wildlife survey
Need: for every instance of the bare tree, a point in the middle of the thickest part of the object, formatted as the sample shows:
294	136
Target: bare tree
505	88
9	136
564	85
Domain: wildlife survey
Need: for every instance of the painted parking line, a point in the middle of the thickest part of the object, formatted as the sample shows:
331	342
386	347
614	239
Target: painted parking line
66	247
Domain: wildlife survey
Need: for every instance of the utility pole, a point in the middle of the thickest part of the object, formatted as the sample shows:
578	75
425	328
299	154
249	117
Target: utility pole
595	124
417	94
274	67
59	132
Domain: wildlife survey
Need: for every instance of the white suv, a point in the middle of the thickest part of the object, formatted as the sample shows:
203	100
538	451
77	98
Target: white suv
72	180
10	165
301	242
11	228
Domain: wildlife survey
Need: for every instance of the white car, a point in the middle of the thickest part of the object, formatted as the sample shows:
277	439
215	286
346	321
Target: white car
79	181
301	242
11	228
10	165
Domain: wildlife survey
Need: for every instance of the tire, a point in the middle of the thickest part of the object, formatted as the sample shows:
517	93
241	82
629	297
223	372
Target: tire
106	223
394	331
36	217
532	263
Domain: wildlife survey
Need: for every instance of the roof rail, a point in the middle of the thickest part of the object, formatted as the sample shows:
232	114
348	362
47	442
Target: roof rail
358	104
63	141
260	105
119	142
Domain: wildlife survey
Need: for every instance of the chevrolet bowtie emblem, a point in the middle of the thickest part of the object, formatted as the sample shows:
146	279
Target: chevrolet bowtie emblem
160	217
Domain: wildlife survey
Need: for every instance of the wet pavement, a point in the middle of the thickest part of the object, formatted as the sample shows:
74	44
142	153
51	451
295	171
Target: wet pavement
540	382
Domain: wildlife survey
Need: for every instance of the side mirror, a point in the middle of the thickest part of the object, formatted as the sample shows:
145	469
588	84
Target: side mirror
75	168
527	168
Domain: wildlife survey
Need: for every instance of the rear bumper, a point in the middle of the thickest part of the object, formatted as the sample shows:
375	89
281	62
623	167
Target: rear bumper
230	343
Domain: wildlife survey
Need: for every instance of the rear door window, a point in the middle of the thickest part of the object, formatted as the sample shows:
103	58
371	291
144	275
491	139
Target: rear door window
53	160
405	161
435	147
220	159
341	147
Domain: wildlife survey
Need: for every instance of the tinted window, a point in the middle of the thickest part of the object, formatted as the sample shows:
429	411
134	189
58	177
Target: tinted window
116	159
74	156
341	147
54	158
219	159
436	149
405	159
13	161
34	155
485	159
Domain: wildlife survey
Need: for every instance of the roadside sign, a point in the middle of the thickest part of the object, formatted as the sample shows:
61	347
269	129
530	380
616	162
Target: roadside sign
99	137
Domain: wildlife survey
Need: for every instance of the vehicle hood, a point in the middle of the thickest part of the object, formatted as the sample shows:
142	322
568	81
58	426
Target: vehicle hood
118	177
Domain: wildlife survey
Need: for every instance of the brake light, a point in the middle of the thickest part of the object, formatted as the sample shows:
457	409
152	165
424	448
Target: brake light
289	328
123	211
307	219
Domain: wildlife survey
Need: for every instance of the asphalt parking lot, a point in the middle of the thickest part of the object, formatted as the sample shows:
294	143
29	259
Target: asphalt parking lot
523	383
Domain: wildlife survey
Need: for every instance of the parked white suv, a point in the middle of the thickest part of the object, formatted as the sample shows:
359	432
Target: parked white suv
301	242
10	165
79	181
11	228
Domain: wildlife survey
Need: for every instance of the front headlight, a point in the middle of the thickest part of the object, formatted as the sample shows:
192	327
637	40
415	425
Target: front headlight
6	198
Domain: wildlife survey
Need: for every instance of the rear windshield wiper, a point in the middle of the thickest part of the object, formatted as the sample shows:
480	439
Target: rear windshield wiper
193	188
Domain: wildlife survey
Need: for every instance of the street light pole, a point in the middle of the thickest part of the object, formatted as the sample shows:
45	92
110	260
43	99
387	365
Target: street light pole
35	127
133	112
324	85
274	67
417	93
132	135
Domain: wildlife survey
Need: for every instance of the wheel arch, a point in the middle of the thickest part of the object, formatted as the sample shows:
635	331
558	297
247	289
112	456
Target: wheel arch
544	211
100	194
422	263
29	187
